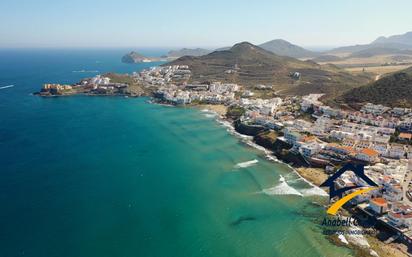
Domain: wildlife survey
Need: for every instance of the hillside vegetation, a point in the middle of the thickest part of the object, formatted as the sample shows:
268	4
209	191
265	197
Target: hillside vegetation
249	65
392	90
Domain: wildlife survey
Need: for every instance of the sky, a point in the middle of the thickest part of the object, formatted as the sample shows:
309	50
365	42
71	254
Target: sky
211	23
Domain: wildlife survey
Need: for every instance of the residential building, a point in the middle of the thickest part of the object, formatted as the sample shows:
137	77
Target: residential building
378	205
367	155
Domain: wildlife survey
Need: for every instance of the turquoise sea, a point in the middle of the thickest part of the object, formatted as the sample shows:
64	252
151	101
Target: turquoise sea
112	176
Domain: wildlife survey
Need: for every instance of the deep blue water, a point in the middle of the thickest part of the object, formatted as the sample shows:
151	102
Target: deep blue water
110	176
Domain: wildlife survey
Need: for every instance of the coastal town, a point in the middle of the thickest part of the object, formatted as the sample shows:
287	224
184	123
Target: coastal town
300	130
206	128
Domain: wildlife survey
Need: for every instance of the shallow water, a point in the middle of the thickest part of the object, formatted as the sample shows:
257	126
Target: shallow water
110	176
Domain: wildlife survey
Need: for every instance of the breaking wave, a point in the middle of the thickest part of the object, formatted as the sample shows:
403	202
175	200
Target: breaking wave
246	164
210	115
256	146
313	191
4	87
229	128
85	71
282	189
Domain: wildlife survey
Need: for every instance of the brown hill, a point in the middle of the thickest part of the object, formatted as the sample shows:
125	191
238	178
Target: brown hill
392	90
248	65
284	48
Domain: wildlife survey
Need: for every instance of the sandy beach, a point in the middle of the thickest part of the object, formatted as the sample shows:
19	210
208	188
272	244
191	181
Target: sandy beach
218	108
315	175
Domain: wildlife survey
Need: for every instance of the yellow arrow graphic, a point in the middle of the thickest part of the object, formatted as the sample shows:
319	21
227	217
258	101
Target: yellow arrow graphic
335	207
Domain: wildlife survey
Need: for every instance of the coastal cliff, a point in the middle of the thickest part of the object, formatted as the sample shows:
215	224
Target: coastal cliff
249	130
269	140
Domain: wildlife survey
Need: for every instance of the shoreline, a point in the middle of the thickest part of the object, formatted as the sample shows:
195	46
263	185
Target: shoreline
303	173
312	176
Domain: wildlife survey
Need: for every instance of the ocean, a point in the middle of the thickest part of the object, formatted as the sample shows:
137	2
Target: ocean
113	176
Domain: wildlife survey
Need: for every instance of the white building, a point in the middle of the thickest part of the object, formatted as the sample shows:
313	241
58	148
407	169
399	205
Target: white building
378	205
309	149
367	155
292	136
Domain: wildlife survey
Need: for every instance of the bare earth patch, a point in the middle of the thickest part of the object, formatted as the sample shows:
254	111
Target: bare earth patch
378	70
315	175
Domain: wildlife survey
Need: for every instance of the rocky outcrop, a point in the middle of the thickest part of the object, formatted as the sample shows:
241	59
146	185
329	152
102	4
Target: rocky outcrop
134	57
249	130
281	149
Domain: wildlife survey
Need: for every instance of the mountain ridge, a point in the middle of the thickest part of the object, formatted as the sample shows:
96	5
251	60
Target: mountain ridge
399	42
284	48
405	38
188	51
249	65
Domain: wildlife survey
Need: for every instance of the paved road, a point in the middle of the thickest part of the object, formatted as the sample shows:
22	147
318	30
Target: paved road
408	178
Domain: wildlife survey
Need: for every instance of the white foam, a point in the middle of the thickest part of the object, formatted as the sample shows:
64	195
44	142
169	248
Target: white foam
245	137
256	146
246	164
210	115
232	130
294	180
4	87
225	123
271	158
342	238
85	71
318	190
313	191
282	189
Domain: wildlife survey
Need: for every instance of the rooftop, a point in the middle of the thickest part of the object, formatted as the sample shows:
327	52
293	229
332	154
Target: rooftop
370	152
379	201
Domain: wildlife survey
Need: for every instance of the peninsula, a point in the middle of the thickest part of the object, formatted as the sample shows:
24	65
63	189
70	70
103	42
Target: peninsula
135	57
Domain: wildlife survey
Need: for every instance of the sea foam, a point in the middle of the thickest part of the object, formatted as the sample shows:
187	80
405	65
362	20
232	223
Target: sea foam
229	128
210	115
246	164
4	87
282	189
313	191
85	71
